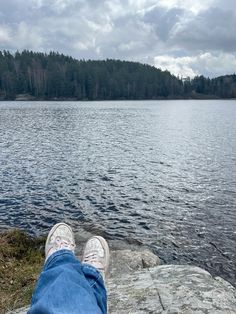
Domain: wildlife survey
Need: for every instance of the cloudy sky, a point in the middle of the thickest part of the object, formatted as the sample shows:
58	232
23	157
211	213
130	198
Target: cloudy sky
187	37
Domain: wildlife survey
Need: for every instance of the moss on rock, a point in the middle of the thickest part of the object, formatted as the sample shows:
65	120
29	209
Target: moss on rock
21	259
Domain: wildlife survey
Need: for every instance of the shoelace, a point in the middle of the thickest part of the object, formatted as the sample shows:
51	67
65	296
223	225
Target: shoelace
61	243
93	259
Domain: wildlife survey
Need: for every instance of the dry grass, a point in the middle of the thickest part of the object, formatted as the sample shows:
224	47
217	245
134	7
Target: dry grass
21	260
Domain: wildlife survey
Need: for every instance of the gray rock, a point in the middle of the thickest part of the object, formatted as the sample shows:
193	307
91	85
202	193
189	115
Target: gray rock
127	261
22	310
137	285
171	289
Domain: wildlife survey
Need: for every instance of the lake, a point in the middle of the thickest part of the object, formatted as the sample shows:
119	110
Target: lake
161	173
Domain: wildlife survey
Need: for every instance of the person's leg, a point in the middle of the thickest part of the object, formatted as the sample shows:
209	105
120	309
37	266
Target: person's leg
66	286
96	259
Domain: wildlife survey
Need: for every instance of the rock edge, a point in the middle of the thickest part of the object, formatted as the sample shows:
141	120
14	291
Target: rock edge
139	284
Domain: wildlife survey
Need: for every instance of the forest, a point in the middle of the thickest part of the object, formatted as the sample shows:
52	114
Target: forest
54	76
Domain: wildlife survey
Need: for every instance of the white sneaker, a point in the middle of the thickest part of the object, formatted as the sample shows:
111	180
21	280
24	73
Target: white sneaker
96	253
60	237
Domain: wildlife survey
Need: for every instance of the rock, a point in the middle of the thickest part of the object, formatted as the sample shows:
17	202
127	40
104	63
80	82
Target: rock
137	285
126	261
24	97
171	289
22	310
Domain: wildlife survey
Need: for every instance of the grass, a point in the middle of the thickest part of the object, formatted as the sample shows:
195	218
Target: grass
21	260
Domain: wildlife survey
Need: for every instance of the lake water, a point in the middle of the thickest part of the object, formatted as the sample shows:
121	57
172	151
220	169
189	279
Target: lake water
162	173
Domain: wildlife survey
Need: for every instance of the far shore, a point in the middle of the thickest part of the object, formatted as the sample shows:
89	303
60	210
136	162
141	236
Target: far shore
33	99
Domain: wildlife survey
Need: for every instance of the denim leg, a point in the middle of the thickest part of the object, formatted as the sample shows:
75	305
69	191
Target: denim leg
62	288
95	280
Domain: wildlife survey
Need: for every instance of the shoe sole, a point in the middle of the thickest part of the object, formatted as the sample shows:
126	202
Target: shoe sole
53	230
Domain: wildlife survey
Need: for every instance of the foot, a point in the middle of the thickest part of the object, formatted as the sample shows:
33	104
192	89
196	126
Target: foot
60	237
96	253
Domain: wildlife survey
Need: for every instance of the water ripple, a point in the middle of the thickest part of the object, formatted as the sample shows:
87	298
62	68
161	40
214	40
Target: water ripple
158	173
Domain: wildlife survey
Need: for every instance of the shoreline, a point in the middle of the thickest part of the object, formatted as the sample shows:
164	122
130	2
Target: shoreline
137	281
104	100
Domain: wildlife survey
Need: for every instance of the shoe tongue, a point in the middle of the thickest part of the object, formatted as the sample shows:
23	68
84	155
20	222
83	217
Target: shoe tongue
98	265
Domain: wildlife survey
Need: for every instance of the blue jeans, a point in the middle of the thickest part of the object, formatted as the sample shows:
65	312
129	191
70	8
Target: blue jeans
66	286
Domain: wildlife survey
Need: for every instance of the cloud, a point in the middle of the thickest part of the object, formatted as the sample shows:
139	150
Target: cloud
163	20
176	65
193	6
179	32
4	34
27	37
21	37
213	29
211	65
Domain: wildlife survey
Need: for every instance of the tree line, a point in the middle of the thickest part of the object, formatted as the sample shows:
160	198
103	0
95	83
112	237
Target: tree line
55	76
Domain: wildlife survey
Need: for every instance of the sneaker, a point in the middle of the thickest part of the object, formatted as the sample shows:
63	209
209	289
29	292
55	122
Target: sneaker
60	237
96	253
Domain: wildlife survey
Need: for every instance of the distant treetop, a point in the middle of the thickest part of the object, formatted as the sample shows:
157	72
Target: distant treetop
55	76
